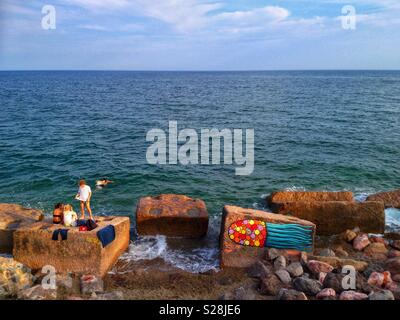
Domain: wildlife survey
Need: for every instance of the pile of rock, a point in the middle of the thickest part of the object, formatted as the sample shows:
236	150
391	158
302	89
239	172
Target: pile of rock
332	212
288	277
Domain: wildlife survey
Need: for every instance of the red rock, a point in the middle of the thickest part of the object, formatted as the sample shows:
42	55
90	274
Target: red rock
12	217
172	215
376	279
239	256
391	199
82	252
374	239
353	295
326	293
394	254
335	217
361	242
318	266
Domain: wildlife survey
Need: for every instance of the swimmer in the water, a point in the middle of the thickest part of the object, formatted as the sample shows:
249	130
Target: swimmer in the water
103	182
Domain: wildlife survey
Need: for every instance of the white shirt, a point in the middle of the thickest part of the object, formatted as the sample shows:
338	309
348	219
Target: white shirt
84	193
70	218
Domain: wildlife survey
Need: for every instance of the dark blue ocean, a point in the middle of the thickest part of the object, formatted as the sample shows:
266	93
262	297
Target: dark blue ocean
314	130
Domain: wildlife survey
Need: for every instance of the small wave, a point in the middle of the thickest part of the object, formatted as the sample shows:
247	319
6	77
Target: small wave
392	219
195	260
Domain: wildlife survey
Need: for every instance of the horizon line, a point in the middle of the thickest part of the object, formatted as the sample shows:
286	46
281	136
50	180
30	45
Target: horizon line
188	70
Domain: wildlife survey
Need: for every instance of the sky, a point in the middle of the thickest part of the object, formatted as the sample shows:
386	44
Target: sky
199	35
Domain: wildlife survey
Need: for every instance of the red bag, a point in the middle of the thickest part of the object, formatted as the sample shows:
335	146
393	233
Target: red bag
83	228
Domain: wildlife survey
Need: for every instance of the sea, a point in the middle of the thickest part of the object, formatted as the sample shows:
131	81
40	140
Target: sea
313	130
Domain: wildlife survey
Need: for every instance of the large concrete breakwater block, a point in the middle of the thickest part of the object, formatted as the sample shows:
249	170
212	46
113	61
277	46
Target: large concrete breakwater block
391	199
12	217
243	232
172	215
334	217
277	198
82	251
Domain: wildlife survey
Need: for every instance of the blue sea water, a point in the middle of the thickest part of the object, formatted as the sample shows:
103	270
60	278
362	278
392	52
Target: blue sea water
314	130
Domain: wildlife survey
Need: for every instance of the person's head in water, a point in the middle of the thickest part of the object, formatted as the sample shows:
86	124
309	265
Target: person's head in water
59	206
82	182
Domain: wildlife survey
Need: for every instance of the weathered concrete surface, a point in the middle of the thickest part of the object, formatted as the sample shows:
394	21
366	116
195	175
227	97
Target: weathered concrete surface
12	217
172	215
278	197
334	217
391	199
82	252
236	255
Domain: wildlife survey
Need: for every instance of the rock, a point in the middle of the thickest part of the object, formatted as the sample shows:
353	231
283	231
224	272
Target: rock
396	278
352	295
239	256
278	197
316	266
270	285
242	293
334	281
381	295
326	293
172	215
295	269
114	295
14	277
341	252
393	254
390	199
272	254
81	253
393	266
290	294
321	277
369	216
13	217
338	263
380	279
308	286
362	284
327	253
91	284
283	275
280	263
395	244
375	239
349	235
258	270
361	242
376	251
37	293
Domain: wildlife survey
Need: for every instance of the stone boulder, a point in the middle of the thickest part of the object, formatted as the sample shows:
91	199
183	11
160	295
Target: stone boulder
239	256
172	215
12	217
290	294
308	286
391	199
335	217
37	292
82	252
